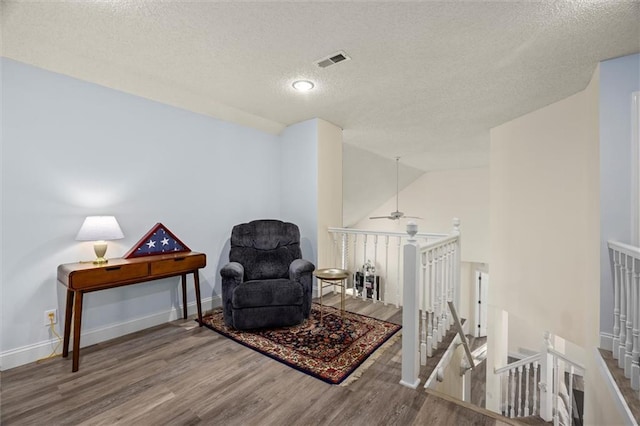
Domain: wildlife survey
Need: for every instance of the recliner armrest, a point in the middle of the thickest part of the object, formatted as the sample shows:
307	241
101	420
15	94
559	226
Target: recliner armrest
299	267
234	271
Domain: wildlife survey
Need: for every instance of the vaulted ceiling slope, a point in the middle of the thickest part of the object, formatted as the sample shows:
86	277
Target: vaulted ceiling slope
426	80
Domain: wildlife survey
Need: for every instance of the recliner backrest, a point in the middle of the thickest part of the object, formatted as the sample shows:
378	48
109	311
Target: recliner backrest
265	248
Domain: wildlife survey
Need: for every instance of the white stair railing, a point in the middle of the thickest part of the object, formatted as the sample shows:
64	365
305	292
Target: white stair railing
439	283
431	279
513	402
625	271
352	248
536	385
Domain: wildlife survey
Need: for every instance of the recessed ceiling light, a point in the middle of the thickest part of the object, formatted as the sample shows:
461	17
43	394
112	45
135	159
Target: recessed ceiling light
303	85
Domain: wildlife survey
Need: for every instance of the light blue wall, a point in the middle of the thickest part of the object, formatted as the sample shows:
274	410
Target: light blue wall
72	149
299	183
618	79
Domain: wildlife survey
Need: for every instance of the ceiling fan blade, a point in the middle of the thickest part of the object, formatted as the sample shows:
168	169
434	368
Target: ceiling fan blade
396	214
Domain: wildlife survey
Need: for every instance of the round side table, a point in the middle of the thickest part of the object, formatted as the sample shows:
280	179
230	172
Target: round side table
332	277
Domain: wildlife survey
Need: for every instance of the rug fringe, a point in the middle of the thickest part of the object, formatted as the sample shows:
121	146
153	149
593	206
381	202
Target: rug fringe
372	358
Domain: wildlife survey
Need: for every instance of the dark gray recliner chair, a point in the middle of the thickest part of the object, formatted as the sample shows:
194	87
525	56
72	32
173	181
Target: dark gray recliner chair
266	282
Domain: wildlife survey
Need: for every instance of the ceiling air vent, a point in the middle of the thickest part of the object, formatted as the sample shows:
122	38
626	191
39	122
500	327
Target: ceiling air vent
333	59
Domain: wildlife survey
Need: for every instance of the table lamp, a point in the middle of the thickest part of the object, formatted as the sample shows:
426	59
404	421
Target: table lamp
100	229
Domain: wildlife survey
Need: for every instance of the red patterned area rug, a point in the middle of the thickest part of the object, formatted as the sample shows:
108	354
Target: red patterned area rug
329	351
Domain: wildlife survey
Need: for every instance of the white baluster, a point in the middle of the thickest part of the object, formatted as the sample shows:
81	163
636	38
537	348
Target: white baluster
556	388
344	258
334	258
512	385
445	288
623	316
345	251
398	271
450	281
364	277
535	389
616	308
334	250
430	341
443	297
438	300
527	372
630	315
505	401
374	289
423	331
385	284
354	291
519	400
635	366
570	408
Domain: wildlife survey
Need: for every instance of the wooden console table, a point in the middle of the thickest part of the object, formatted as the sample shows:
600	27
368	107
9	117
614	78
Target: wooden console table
80	278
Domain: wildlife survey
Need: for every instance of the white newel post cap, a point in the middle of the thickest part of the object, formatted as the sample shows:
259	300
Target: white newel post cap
456	225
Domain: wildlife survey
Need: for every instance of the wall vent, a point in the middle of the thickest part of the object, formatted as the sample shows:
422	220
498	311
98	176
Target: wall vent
333	59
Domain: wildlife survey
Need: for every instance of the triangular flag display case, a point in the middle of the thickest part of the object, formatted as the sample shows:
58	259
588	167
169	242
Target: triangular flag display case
159	240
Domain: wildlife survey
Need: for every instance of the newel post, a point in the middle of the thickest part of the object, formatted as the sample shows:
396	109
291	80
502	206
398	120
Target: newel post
456	263
410	311
546	379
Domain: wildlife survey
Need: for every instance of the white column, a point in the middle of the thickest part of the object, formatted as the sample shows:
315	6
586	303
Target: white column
457	261
410	302
546	380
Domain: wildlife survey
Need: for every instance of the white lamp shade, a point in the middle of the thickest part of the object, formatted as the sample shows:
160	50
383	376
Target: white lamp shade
96	228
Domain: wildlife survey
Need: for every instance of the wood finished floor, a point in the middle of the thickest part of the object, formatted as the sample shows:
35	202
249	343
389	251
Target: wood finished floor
624	385
181	374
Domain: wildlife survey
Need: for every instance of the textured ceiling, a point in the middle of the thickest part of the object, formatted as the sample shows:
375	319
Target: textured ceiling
427	80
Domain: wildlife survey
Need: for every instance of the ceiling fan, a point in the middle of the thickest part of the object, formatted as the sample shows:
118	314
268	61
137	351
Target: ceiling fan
396	214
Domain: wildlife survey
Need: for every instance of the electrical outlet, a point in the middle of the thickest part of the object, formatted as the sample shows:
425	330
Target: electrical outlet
53	312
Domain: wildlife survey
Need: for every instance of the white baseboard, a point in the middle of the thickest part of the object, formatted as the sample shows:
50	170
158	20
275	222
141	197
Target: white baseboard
606	341
31	353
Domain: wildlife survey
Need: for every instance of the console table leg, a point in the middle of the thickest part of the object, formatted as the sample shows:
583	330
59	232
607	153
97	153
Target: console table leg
184	295
77	321
196	283
68	313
